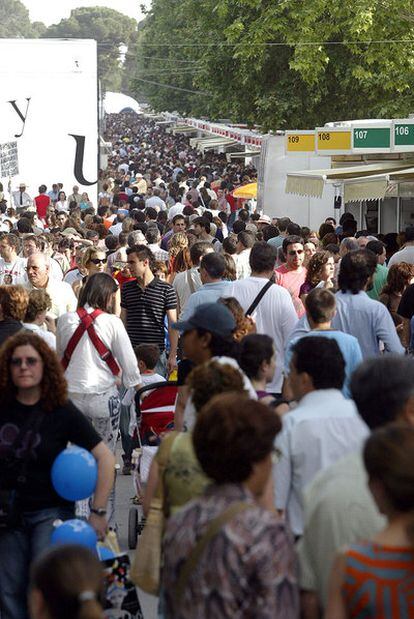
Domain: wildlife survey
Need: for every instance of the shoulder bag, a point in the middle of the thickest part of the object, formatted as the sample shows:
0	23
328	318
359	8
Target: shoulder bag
146	568
195	555
259	297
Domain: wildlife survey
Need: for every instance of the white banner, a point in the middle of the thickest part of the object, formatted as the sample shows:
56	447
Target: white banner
48	105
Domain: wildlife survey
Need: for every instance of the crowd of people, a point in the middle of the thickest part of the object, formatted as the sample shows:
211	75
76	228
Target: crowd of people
286	481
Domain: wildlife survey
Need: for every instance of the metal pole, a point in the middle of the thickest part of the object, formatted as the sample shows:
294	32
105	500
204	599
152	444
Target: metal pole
398	214
379	216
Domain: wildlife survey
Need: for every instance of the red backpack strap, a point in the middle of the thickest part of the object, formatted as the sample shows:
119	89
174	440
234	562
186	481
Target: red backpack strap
102	350
86	324
74	340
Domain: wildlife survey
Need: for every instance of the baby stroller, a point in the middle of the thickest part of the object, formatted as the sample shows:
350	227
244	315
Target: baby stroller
155	417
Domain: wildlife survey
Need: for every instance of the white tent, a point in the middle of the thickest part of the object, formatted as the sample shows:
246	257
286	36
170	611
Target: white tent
115	102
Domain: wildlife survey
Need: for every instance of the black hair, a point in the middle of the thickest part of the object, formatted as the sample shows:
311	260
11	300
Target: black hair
381	387
143	253
97	291
254	349
214	264
230	245
356	269
290	240
293	229
203	222
262	257
321	359
377	247
238	226
246	238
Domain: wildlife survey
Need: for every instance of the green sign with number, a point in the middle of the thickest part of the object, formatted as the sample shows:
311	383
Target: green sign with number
372	137
404	135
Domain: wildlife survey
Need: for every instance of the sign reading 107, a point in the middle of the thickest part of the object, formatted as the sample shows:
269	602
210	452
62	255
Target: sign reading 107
404	135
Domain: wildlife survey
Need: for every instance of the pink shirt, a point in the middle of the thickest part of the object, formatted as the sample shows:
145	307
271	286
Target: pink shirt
292	280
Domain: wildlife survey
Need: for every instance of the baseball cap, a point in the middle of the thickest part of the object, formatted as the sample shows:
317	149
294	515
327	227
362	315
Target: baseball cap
213	317
264	219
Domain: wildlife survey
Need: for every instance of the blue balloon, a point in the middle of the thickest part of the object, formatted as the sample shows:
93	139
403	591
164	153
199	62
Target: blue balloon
75	532
105	553
74	473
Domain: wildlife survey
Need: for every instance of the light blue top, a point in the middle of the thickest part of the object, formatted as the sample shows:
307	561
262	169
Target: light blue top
348	345
208	293
276	241
369	321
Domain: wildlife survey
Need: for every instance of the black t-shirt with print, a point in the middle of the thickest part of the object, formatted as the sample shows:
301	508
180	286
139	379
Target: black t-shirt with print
57	428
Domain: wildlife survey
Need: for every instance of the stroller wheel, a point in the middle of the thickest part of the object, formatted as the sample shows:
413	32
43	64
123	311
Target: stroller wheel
132	528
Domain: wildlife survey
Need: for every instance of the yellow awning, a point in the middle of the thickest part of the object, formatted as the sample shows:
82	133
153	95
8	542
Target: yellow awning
246	191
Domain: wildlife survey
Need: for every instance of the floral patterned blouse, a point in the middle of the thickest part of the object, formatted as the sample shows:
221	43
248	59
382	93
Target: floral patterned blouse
247	571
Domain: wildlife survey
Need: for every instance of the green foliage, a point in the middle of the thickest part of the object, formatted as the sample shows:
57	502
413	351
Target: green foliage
295	84
15	21
110	29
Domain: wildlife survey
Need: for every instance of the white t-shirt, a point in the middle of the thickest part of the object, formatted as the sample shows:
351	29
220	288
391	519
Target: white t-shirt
275	316
13	272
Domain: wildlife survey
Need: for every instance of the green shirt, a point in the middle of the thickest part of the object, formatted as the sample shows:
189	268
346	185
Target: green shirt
380	278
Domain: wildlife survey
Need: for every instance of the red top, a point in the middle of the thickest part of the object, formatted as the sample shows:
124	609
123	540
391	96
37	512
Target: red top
42	202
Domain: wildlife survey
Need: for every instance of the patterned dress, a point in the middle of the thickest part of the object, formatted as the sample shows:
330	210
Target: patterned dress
247	571
379	582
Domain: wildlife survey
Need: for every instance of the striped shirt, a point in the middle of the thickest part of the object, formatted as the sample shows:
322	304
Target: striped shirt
146	309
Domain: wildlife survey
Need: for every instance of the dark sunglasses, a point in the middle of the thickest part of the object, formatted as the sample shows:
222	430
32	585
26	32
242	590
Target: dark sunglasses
98	260
293	252
17	362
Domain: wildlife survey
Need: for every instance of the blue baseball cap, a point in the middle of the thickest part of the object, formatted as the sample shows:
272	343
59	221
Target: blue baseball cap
213	317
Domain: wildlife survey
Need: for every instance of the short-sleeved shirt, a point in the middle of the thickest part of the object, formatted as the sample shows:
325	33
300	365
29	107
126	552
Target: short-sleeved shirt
57	428
292	280
146	309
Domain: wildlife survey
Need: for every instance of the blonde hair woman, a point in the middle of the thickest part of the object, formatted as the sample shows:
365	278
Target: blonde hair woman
94	261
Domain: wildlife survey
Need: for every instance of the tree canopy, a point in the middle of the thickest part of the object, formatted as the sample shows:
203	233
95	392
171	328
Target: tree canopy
282	64
110	28
15	21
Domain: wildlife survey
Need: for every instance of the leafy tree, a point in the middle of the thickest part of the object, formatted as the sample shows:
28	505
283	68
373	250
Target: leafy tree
110	28
259	63
15	21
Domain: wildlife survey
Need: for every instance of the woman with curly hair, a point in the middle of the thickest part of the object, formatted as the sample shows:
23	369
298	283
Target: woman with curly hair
36	423
244	324
178	243
320	272
13	305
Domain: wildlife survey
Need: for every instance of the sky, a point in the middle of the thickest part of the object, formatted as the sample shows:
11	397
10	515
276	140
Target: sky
52	11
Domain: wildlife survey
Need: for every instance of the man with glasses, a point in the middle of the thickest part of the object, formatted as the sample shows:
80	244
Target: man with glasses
291	275
62	296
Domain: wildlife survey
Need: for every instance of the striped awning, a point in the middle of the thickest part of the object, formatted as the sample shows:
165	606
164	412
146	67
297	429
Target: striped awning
363	182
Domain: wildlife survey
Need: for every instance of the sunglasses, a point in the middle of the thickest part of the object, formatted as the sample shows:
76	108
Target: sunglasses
294	252
17	362
98	260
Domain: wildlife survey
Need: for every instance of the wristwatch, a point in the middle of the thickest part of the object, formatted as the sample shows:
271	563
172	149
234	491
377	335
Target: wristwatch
99	511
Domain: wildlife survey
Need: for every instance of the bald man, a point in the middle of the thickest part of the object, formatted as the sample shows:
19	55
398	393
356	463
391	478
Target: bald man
61	293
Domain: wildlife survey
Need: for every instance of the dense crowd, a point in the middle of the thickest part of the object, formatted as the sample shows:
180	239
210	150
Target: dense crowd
282	485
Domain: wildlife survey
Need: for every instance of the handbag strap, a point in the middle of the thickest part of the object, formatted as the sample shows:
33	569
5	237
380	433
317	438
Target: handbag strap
259	297
195	555
190	282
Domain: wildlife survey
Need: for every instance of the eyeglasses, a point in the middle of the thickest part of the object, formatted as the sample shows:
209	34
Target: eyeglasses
276	454
293	252
98	261
17	362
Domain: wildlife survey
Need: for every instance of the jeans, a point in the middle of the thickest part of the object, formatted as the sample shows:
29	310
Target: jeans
18	548
103	411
